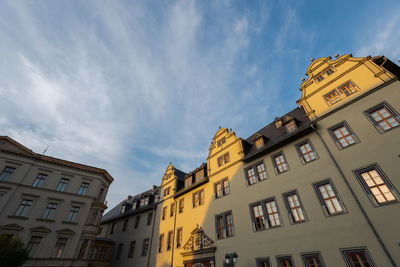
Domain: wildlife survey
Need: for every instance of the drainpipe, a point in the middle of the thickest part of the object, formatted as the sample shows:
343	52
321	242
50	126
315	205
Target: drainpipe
313	126
173	234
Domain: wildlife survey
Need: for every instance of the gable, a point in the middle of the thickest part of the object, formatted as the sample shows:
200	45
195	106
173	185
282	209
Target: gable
6	143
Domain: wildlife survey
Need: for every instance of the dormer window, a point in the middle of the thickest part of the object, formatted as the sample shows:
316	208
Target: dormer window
134	204
199	175
291	127
144	202
123	209
221	141
259	143
188	181
278	124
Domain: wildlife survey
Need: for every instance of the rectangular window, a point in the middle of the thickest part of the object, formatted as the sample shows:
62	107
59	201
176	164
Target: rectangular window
384	117
49	211
39	180
119	251
112	229
266	214
198	198
93	254
328	198
149	218
258	217
145	248
181	205
333	97
24	208
164	213
328	71
223	159
60	247
137	221
199	175
306	152
291	127
62	185
357	257
6	173
172	210
285	261
73	214
222	188
343	135
188	181
312	260
125	225
259	143
263	262
224	225
347	89
378	187
83	188
273	214
179	237
169	240
319	77
280	163
296	212
33	244
103	252
160	243
221	141
256	173
167	191
131	251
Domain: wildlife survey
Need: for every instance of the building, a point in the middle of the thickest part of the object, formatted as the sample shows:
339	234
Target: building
53	205
318	186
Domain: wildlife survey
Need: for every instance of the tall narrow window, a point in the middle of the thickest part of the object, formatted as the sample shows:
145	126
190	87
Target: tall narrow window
169	240
60	247
93	254
131	251
273	214
188	181
73	214
285	261
112	229
164	213
306	152
83	188
24	207
149	218
125	225
251	174
119	251
160	243
343	135
172	210
224	225
294	207
280	163
145	248
179	237
6	173
181	205
62	185
199	175
39	180
198	198
82	250
33	245
222	188
384	117
49	211
258	216
103	252
137	221
329	198
357	258
377	185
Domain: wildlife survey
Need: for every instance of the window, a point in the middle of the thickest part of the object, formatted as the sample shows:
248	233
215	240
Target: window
82	190
73	214
312	260
263	262
259	143
296	212
125	225
328	71
199	175
160	243
258	217
224	225
33	244
221	141
278	124
39	180
328	198
198	198
223	159
291	127
144	201
306	152
324	73
82	250
332	97
343	135
272	212
24	208
103	252
279	162
256	173
179	237
384	117
284	261
270	219
188	181
112	228
93	254
377	186
149	218
181	205
347	89
222	188
172	210
137	221
119	251
59	247
145	248
167	191
164	213
62	185
357	257
319	77
49	211
169	240
6	173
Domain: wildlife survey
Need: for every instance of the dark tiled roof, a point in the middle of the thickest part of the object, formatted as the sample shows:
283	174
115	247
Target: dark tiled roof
387	64
274	136
181	185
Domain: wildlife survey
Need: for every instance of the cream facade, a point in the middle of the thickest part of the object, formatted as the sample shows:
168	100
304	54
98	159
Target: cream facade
318	186
53	205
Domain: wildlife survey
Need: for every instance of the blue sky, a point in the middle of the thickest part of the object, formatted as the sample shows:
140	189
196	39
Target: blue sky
130	86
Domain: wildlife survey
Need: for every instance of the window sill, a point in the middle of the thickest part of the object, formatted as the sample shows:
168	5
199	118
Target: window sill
66	222
18	217
44	220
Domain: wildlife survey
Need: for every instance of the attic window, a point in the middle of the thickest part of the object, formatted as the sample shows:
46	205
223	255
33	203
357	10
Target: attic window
123	208
324	73
144	202
291	127
259	142
188	181
221	141
199	175
278	124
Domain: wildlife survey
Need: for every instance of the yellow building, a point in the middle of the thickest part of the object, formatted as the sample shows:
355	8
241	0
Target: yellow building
315	187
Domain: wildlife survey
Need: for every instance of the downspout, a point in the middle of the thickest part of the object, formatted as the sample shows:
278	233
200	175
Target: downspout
152	232
355	197
173	234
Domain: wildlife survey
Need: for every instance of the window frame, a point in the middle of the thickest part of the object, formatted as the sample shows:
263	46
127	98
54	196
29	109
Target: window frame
224	225
25	208
164	213
196	198
39	180
83	188
284	257
137	222
62	185
389	108
345	253
56	253
170	237
50	211
301	155
256	173
335	138
172	209
259	142
261	260
289	210
223	191
149	218
181	207
145	247
367	189
277	172
265	217
33	244
305	255
322	200
131	250
73	214
6	174
125	224
160	242
179	235
289	125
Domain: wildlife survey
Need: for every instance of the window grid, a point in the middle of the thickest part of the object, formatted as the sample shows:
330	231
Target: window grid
333	97
33	244
188	181
285	262
83	188
49	211
39	180
384	118
291	127
179	237
330	199
307	153
172	210
224	225
6	173
62	185
23	207
199	175
73	214
59	247
258	217
358	258
222	188
377	186
343	136
259	143
169	240
273	214
131	251
160	243
181	205
280	163
347	89
313	261
296	210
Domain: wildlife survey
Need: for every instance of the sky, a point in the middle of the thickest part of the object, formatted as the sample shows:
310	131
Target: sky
130	86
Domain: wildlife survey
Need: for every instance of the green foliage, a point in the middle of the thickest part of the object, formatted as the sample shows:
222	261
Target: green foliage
13	253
